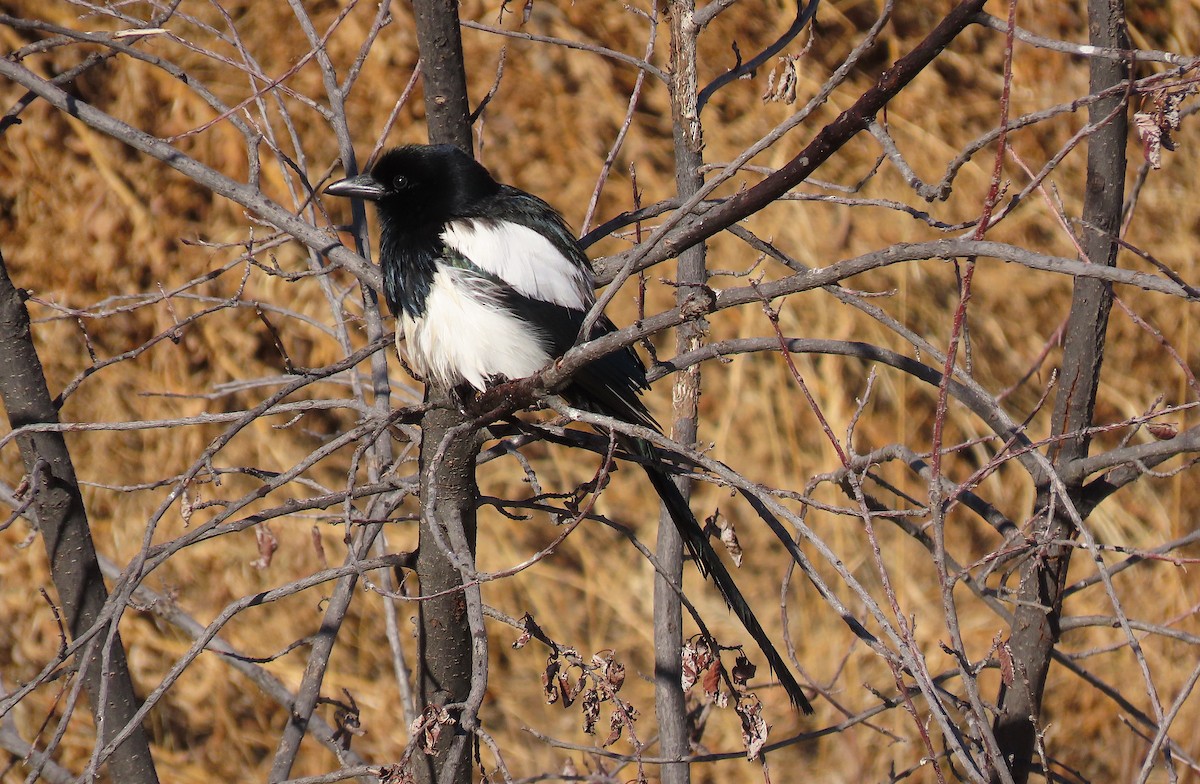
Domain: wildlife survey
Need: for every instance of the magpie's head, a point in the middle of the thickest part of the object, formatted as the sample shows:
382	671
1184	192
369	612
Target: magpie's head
421	184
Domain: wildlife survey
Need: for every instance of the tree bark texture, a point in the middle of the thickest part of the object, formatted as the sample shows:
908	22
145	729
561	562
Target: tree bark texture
63	521
1043	576
670	701
445	638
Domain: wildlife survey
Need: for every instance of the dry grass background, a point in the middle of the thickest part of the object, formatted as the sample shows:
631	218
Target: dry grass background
85	220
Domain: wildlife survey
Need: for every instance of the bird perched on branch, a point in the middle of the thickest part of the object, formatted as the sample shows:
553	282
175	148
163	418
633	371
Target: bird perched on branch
489	285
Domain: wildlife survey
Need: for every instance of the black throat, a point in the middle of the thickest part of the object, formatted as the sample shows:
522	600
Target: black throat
408	259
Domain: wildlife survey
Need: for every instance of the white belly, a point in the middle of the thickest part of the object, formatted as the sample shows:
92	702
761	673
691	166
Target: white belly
466	336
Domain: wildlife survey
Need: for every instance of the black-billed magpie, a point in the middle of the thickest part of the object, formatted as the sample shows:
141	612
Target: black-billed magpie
490	285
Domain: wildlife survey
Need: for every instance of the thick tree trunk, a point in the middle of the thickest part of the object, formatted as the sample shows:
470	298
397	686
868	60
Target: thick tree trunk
670	703
445	641
1044	573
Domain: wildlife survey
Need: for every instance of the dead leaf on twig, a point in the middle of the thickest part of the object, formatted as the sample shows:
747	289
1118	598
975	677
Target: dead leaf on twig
781	81
1154	127
268	543
754	726
427	729
696	658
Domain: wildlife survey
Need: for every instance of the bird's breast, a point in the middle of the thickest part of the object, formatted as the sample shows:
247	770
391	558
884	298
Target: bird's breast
465	333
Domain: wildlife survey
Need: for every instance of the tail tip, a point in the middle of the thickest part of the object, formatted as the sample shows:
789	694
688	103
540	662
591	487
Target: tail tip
799	701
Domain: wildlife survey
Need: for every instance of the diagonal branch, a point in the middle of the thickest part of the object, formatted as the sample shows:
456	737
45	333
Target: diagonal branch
829	140
248	196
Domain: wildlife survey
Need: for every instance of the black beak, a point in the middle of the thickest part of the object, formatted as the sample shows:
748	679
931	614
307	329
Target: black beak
364	186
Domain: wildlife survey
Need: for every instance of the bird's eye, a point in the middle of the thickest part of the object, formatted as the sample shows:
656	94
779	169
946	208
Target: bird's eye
400	182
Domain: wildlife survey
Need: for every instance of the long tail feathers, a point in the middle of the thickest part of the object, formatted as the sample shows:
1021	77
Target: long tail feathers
711	565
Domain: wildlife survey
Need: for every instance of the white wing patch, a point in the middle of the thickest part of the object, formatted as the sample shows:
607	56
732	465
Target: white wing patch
523	259
467	335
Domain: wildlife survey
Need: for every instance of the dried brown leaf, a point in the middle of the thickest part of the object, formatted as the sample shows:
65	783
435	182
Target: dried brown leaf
729	539
1163	431
743	671
319	547
695	658
427	728
613	671
268	543
186	506
550	680
396	774
712	684
1154	127
591	711
1004	656
616	722
754	726
781	81
1151	135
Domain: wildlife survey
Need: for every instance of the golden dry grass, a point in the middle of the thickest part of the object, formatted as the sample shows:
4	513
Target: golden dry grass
86	219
